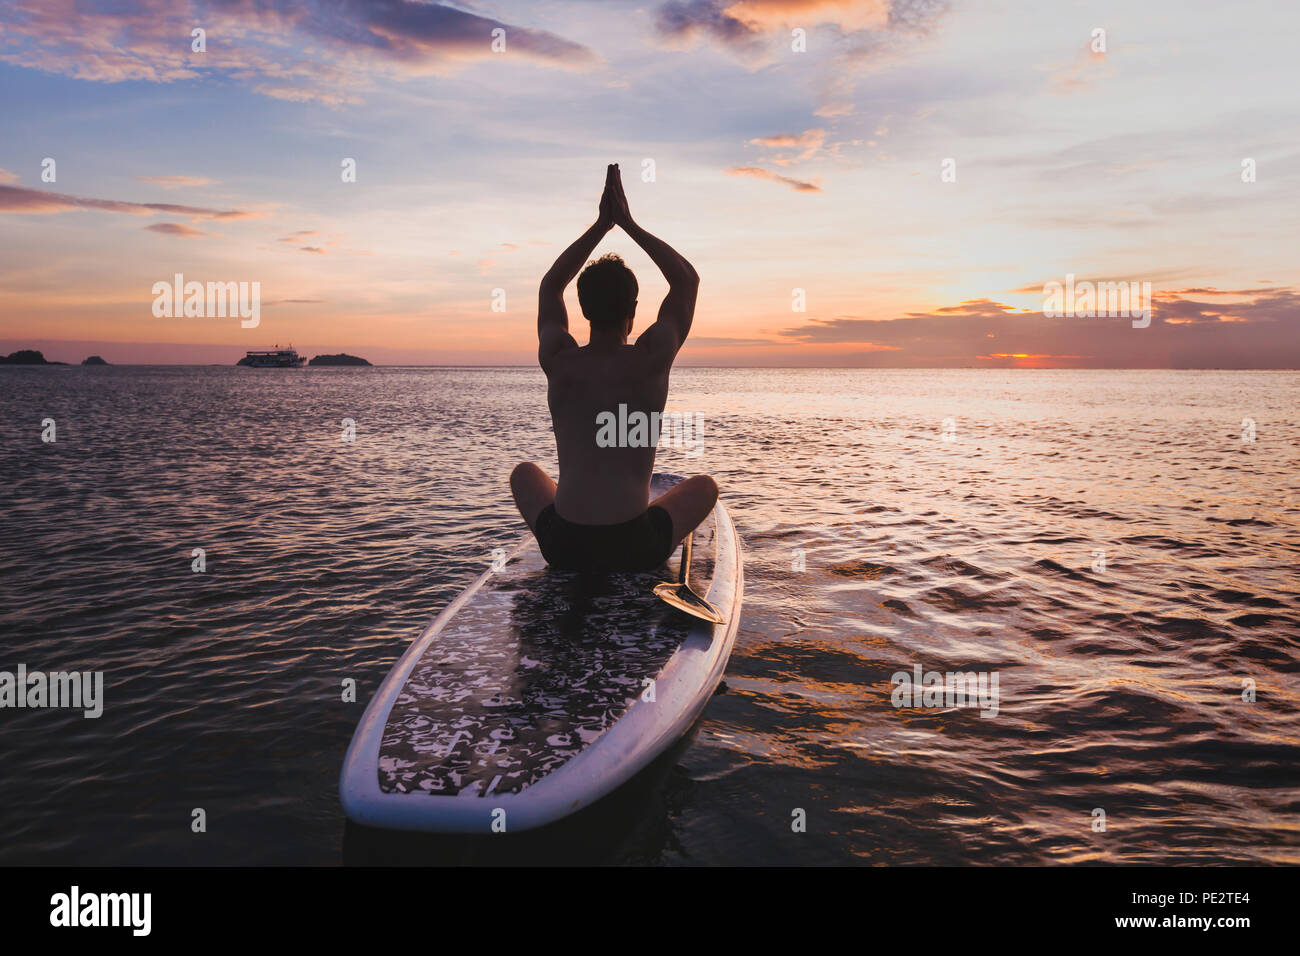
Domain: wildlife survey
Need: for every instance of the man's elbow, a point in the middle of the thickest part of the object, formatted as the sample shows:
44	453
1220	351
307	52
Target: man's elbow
552	285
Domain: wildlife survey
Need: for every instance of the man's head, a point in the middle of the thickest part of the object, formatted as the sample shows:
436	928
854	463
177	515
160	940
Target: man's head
607	292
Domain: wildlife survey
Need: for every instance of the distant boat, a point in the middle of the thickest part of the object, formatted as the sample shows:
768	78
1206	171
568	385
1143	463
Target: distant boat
273	358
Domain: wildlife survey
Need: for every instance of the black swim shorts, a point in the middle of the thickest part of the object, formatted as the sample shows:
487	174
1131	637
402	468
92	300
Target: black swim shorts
642	544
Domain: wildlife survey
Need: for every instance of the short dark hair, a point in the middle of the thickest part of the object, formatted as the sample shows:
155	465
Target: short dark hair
607	290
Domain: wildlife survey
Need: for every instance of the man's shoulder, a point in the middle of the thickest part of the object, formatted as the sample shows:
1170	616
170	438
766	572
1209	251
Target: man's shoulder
557	360
659	344
631	363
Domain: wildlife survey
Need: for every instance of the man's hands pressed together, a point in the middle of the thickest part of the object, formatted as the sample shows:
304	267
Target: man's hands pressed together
613	202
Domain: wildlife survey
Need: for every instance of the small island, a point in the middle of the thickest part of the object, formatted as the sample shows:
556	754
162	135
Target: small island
340	359
94	360
27	357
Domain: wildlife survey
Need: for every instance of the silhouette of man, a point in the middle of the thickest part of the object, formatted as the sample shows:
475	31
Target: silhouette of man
599	516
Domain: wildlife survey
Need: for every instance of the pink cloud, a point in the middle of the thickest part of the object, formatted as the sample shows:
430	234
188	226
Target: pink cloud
320	50
19	199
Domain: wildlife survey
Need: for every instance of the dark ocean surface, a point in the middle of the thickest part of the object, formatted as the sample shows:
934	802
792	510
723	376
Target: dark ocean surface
949	519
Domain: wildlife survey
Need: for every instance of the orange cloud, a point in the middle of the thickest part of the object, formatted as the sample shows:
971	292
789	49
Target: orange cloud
179	230
1075	76
847	14
807	144
796	184
1261	332
176	182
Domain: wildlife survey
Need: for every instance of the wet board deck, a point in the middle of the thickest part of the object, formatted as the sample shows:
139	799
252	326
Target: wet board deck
536	692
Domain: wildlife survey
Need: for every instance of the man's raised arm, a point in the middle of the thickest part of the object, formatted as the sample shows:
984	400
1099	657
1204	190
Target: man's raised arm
678	308
552	317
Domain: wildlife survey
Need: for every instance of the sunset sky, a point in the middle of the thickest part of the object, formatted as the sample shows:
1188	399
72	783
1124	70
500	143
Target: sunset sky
774	170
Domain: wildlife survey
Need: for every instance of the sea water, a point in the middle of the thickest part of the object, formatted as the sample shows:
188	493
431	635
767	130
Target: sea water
1114	552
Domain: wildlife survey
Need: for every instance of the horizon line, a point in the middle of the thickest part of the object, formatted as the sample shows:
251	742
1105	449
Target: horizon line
821	368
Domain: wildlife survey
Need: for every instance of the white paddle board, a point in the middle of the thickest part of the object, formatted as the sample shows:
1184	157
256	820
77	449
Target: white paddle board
537	692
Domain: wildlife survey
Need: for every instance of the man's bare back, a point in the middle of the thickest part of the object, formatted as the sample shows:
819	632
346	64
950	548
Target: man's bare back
599	516
602	485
